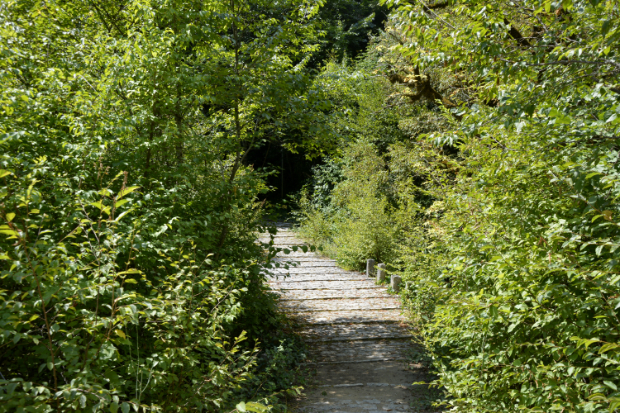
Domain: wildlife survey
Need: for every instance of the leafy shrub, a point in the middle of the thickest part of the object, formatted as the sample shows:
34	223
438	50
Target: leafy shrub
353	223
130	276
345	208
519	308
507	207
524	305
83	326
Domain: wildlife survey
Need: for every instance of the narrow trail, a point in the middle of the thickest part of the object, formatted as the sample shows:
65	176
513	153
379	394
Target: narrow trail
356	335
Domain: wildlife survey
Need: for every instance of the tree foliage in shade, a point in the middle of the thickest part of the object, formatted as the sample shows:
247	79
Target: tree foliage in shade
347	26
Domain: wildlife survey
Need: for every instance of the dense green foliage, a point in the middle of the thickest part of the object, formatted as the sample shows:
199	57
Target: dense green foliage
498	203
473	147
130	277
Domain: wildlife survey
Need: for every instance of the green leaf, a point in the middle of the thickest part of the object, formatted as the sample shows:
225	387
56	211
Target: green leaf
125	407
4	173
120	216
256	407
252	407
120	203
587	342
614	403
10	216
607	347
105	209
126	191
130	271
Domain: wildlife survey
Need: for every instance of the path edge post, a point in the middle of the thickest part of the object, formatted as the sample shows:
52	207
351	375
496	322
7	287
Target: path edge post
370	267
380	273
395	282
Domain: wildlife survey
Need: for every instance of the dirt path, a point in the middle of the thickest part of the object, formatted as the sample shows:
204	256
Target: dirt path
357	337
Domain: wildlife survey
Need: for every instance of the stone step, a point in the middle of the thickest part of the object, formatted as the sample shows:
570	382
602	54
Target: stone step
336	297
296	255
282	234
317	264
329	294
357	332
315	270
311	266
356	404
399	386
322	284
298	278
327	274
290	240
390	372
346	317
330	340
291	251
356	360
309	260
339	305
364	387
282	226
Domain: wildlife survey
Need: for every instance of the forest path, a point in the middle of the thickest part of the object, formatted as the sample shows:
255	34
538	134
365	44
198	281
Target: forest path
355	332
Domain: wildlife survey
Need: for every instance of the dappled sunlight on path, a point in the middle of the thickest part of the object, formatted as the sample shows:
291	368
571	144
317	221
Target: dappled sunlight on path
358	338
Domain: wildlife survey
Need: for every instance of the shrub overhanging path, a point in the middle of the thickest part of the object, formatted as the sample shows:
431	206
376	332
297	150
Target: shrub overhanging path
355	332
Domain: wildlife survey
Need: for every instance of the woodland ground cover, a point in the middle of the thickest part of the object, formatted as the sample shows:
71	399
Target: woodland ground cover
480	160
